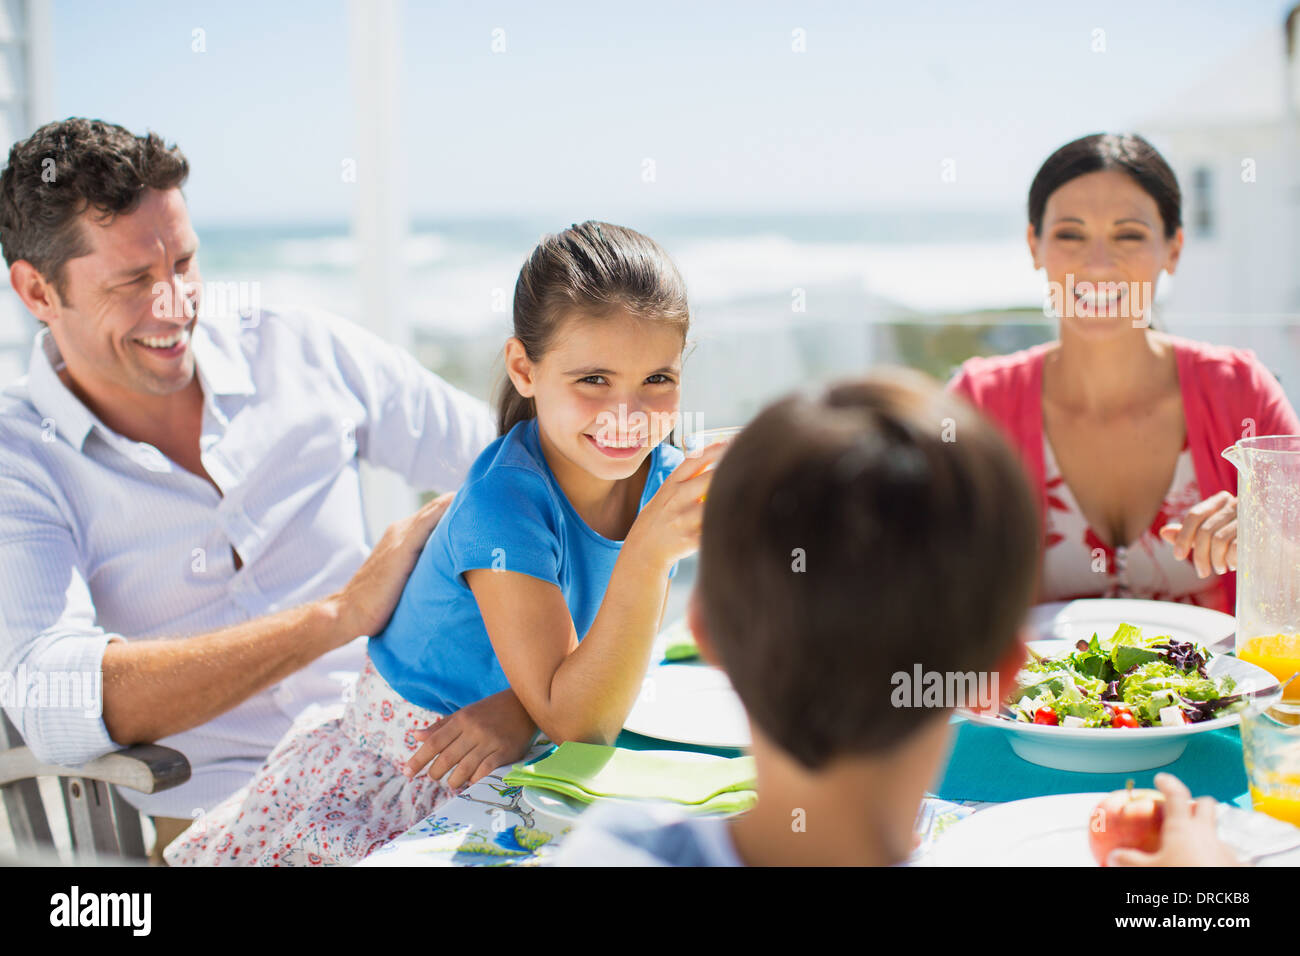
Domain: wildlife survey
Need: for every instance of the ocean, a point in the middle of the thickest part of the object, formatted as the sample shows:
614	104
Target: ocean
779	300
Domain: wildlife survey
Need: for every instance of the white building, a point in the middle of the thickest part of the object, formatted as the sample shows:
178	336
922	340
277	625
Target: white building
1232	140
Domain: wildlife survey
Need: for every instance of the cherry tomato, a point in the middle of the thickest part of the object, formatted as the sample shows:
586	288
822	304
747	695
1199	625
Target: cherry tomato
1045	715
1123	718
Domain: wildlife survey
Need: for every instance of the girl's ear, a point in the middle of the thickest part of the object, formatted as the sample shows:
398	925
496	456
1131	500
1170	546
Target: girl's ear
519	367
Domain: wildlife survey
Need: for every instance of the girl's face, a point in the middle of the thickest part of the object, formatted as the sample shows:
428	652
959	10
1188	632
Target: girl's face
606	391
1103	246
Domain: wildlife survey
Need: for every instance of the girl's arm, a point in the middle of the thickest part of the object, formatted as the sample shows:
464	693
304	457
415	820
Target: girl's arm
583	691
571	690
574	691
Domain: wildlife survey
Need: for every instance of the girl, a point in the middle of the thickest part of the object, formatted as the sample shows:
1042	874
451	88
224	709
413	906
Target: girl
535	602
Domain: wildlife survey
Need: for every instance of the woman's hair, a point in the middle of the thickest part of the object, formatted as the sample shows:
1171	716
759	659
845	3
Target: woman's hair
1089	154
593	269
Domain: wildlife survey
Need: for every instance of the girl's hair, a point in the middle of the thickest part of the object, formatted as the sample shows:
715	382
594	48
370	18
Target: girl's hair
594	269
1128	152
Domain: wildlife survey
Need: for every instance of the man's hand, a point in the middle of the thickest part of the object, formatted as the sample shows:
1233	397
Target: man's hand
475	740
366	602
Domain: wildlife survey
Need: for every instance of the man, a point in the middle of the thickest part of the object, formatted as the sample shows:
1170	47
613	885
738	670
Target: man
168	475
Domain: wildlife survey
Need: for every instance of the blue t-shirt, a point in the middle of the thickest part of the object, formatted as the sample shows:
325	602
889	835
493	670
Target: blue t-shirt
510	514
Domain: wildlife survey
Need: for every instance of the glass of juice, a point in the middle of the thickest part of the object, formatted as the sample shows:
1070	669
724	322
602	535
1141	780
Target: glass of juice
1270	739
1279	654
696	441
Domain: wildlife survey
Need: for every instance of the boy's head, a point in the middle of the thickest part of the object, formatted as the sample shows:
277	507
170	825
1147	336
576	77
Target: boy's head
850	536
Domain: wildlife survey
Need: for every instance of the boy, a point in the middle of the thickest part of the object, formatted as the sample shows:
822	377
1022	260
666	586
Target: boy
847	538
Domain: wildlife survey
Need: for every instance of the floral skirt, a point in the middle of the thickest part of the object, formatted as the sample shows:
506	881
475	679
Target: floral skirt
331	792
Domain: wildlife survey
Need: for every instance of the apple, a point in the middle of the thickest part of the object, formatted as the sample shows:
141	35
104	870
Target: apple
1126	818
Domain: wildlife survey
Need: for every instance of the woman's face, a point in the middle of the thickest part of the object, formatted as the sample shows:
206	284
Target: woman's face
1103	246
607	391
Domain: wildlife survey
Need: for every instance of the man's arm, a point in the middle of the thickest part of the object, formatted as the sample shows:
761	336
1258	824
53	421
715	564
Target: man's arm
418	425
153	689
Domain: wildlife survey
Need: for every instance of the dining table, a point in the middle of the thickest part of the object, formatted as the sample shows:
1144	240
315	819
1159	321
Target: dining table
491	823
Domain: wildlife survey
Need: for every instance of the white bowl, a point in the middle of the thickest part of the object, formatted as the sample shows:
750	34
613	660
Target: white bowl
1124	749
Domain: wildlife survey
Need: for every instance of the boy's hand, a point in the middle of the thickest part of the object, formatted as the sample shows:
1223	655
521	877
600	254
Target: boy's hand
1188	837
475	740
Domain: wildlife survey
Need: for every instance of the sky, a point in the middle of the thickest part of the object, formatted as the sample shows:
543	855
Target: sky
918	104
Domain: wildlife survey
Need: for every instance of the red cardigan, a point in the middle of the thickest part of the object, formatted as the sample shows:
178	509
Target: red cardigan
1224	391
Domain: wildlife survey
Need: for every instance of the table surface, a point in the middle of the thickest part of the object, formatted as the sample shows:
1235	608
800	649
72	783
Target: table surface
492	824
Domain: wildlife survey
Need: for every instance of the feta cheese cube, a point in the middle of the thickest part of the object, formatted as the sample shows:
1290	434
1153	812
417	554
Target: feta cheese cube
1171	716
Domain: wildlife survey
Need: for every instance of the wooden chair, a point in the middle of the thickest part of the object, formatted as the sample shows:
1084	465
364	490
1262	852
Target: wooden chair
103	826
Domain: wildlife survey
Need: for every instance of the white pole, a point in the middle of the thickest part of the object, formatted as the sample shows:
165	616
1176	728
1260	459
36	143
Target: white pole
379	223
31	106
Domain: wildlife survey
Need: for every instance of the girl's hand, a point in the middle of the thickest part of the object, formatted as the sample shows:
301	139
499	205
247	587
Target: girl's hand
475	740
1208	533
668	527
1188	836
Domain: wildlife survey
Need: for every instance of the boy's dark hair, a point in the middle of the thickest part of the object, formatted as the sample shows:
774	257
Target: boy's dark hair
67	167
594	269
851	535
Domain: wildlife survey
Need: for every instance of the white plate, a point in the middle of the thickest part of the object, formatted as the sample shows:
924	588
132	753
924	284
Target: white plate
1078	620
562	807
1053	831
687	702
1111	750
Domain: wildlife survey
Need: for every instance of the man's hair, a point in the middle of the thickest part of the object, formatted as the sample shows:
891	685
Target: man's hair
66	168
851	535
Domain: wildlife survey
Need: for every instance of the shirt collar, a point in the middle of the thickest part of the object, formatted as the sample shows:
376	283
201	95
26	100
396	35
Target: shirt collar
54	400
220	363
221	371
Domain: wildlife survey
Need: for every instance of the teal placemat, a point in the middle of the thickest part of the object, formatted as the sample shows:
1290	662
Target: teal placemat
984	767
631	741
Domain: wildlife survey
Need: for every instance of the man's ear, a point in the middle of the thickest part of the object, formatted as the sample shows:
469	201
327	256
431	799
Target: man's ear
695	621
37	293
519	367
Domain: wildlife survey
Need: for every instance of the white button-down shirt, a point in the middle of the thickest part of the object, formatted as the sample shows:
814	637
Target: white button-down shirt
103	538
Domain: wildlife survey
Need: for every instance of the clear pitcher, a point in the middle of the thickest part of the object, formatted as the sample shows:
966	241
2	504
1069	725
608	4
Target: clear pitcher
1268	554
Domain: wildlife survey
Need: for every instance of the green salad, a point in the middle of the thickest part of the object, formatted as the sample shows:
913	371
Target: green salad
1126	681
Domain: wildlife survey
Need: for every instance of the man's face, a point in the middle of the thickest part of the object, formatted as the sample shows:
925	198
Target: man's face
129	307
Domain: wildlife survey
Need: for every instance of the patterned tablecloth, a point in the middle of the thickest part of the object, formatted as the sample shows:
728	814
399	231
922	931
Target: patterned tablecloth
491	824
486	824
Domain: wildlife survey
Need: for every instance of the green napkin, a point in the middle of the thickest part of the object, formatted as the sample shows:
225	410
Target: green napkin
681	643
683	650
587	772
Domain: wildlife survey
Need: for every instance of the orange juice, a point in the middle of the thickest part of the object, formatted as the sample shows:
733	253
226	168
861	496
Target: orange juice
1280	808
1279	654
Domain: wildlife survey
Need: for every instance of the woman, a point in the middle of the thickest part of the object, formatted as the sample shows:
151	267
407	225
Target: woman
1121	426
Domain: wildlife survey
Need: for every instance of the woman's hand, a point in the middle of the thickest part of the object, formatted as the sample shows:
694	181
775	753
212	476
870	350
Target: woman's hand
1208	532
475	740
668	527
1187	837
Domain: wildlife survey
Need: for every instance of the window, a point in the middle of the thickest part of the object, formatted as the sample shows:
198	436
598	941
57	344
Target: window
1203	201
